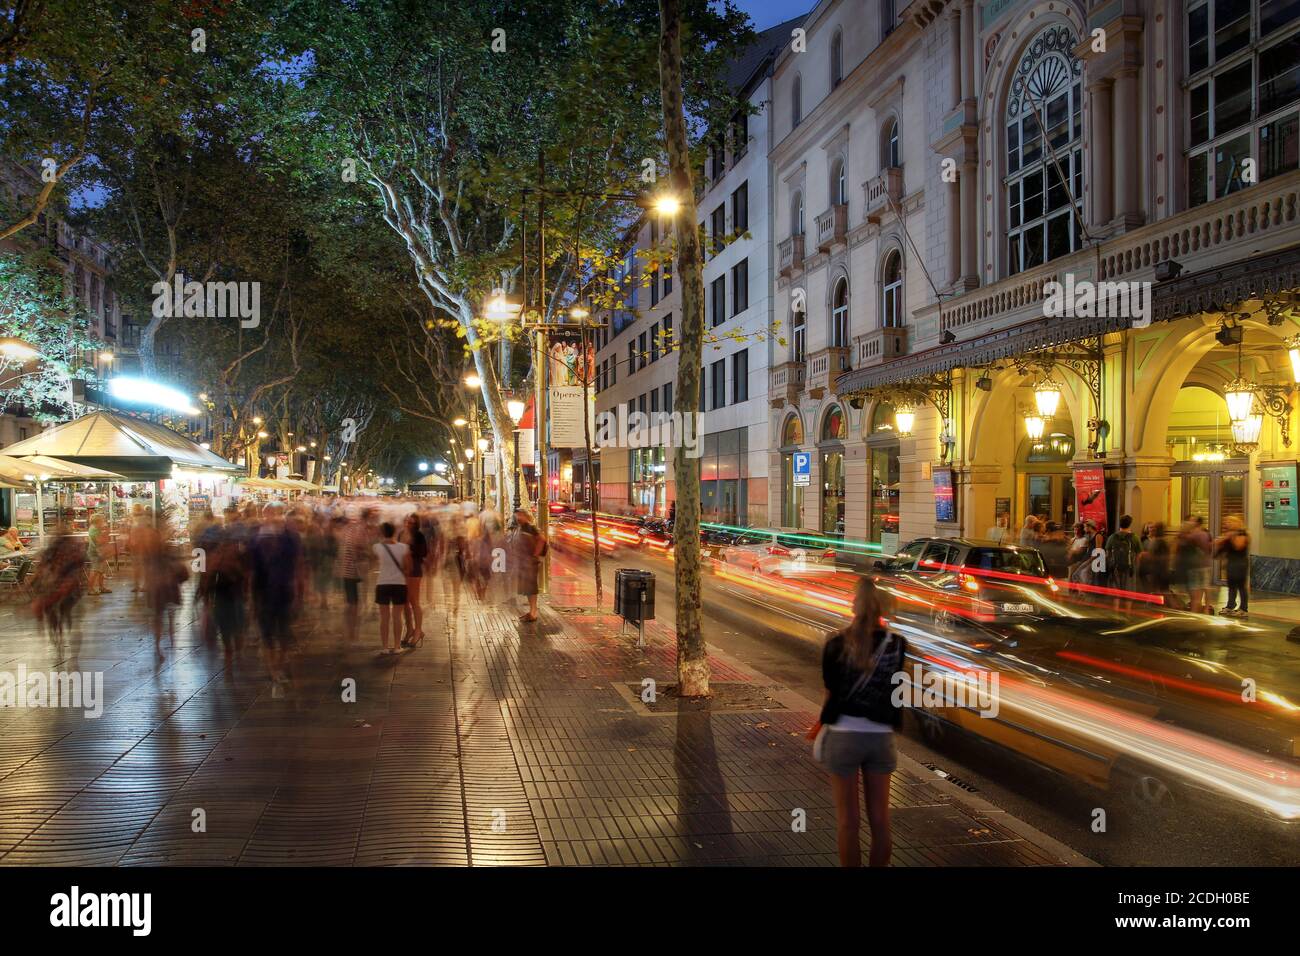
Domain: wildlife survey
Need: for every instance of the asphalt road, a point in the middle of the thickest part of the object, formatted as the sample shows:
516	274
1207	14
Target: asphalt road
783	640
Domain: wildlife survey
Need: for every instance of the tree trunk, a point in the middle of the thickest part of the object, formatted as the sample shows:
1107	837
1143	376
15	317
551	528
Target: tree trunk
692	655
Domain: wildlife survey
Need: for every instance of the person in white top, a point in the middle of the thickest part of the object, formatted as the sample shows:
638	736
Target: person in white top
394	562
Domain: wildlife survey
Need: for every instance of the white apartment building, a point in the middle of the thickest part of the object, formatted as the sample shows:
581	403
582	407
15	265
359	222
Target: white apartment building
856	193
636	363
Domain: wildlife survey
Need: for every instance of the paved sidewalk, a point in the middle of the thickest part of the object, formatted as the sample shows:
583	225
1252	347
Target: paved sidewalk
495	743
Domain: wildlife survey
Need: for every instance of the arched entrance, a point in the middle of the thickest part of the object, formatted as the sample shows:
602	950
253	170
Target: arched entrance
831	447
886	477
792	494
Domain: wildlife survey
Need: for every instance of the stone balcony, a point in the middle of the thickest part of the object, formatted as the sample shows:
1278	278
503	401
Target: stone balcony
785	382
791	255
879	346
880	192
832	226
824	367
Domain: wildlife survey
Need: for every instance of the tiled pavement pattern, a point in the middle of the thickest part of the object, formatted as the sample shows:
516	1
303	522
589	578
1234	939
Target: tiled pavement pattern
494	744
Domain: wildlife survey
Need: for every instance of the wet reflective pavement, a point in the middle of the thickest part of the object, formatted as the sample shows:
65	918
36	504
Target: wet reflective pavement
495	743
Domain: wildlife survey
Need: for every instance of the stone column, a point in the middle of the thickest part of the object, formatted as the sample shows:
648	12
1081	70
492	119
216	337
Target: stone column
969	188
969	54
1127	145
955	41
952	196
1103	209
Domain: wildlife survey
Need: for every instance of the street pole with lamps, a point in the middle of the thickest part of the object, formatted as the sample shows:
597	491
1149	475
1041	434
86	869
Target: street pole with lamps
516	409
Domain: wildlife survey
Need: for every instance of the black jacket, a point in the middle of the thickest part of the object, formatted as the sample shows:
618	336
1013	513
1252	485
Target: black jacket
850	694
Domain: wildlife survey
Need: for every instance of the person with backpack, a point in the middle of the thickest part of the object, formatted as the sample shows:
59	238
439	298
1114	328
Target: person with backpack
1122	549
529	548
1234	547
855	734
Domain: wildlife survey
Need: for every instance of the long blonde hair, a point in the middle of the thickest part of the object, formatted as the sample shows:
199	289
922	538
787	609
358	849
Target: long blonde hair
859	636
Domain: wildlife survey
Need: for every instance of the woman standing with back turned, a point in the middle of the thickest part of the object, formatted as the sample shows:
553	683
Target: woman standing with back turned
858	723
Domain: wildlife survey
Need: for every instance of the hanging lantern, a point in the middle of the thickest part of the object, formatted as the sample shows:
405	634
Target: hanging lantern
1047	396
1295	361
1034	425
1240	396
904	419
1246	432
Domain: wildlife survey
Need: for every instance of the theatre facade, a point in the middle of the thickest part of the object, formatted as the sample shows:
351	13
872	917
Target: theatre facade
1096	315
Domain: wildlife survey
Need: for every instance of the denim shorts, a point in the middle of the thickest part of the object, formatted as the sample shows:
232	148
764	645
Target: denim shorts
845	752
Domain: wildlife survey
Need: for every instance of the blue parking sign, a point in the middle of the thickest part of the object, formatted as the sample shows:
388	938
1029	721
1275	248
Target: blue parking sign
802	467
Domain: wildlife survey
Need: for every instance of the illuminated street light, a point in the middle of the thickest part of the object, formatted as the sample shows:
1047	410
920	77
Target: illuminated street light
1047	396
460	423
1294	351
667	205
1034	425
469	454
516	410
146	392
1246	432
301	448
257	419
108	358
423	466
579	313
1240	396
483	444
17	349
904	419
262	435
501	309
473	381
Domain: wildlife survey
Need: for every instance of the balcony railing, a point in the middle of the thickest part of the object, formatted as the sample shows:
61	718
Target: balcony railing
785	383
832	225
879	192
880	345
1266	216
791	253
824	368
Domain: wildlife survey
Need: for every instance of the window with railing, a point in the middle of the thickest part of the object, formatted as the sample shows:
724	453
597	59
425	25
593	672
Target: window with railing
1243	89
891	291
840	314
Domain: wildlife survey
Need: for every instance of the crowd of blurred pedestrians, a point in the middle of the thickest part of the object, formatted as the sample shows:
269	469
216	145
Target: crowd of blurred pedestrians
257	570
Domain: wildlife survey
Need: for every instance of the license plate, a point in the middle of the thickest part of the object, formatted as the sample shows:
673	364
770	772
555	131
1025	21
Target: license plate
705	553
1018	608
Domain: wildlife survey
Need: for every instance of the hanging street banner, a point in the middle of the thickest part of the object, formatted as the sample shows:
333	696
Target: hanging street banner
1090	493
566	416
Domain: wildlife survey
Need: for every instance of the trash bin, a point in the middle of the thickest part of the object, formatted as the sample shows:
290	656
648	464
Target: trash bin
629	586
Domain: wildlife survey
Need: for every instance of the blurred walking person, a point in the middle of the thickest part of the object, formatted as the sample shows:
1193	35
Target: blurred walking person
1122	551
349	568
858	721
394	562
227	587
1234	547
413	612
1192	564
275	563
529	546
1153	564
162	579
57	583
95	542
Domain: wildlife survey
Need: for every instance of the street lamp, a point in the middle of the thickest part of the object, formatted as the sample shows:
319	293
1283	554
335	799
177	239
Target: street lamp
17	349
473	381
667	205
1047	396
515	408
423	466
1240	396
1034	425
904	419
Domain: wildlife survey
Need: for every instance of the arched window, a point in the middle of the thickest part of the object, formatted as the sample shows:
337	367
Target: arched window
839	184
800	325
1044	182
837	59
796	102
833	428
889	157
796	214
840	315
792	433
891	291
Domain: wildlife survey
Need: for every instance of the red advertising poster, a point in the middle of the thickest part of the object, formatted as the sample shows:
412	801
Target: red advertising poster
1090	494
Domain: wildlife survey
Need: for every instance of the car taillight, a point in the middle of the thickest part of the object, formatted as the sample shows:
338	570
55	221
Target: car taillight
1053	585
969	582
776	549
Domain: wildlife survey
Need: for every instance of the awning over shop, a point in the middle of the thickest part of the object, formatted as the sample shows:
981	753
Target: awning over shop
1045	333
1228	287
50	469
134	449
